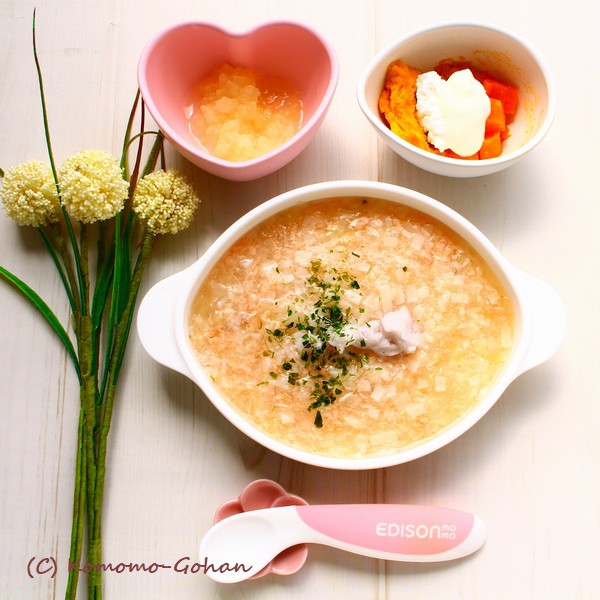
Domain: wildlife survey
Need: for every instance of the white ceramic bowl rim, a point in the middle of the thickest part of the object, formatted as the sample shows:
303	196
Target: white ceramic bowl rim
174	297
390	49
194	149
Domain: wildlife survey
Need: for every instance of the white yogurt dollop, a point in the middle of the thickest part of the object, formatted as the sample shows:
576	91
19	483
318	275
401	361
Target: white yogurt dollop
453	112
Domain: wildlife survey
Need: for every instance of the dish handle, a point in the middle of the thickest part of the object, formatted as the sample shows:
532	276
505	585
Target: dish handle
544	309
156	323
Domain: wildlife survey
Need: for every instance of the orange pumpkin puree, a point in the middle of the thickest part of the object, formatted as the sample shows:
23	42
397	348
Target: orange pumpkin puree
398	107
397	104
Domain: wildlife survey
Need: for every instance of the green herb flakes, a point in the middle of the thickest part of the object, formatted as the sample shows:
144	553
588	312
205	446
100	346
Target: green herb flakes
320	364
318	419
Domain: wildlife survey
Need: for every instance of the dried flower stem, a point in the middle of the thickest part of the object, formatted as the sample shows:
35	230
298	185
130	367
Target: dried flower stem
102	306
51	158
121	337
63	272
79	498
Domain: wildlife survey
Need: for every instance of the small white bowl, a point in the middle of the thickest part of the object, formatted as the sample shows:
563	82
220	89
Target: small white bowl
504	55
165	310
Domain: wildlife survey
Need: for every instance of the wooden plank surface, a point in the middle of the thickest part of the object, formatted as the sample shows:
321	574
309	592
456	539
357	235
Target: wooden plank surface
529	468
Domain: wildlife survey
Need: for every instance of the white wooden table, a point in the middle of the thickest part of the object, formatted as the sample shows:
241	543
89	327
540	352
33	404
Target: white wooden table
530	468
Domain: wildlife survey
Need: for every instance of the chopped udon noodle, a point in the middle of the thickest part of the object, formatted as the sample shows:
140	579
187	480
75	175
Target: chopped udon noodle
275	323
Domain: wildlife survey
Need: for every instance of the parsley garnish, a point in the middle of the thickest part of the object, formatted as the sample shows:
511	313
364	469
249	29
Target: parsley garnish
321	365
318	419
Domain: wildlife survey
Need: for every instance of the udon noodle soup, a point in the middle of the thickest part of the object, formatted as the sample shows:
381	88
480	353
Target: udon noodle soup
266	325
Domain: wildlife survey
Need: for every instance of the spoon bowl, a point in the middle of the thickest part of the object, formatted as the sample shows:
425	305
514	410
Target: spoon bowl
264	493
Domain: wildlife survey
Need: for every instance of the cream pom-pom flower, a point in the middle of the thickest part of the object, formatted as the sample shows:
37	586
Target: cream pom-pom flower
92	187
165	202
29	194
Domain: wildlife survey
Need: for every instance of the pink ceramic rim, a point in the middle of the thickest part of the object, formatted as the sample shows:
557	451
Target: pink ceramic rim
242	165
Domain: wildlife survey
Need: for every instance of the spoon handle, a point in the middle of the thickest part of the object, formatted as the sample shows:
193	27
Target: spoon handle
395	531
239	546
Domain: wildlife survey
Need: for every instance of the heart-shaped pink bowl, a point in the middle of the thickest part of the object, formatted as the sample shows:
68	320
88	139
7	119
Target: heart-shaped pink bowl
176	59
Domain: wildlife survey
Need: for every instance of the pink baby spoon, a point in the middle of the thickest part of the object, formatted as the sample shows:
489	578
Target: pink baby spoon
264	493
241	545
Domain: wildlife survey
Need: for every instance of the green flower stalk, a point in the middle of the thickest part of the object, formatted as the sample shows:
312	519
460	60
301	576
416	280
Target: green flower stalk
91	196
175	204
